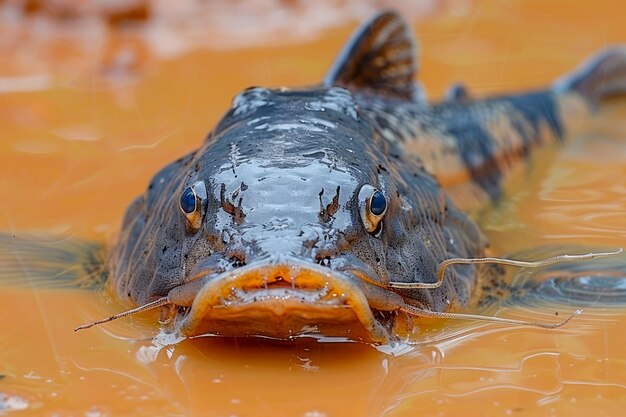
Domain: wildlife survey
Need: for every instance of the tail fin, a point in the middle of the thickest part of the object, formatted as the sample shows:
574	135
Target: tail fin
601	76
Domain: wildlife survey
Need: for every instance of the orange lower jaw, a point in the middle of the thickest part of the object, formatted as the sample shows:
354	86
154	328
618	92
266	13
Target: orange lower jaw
282	301
282	320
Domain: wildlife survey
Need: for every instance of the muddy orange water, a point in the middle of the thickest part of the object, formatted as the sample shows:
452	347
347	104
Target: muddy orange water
90	108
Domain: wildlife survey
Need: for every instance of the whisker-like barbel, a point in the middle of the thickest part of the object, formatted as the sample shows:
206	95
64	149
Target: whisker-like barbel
154	304
182	295
419	312
501	261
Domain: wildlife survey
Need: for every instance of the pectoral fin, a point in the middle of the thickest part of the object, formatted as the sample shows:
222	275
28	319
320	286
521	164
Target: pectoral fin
47	262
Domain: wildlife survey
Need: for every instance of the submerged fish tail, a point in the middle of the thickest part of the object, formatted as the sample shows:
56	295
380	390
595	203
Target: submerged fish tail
516	125
498	136
471	146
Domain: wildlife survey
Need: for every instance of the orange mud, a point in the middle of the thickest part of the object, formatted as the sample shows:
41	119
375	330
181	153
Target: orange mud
90	109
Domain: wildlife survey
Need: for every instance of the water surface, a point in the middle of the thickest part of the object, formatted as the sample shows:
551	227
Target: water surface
88	113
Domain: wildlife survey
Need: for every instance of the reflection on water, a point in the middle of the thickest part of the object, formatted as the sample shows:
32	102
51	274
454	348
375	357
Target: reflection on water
599	284
86	123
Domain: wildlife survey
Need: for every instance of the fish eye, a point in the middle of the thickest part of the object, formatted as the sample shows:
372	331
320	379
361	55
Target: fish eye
372	207
192	204
188	201
378	203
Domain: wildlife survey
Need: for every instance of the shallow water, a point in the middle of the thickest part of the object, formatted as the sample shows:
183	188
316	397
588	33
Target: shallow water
88	115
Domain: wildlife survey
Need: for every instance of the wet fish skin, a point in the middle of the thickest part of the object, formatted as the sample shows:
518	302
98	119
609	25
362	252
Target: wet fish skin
244	149
472	145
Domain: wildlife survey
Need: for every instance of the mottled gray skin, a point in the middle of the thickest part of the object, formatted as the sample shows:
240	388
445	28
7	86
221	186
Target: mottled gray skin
275	151
482	138
285	147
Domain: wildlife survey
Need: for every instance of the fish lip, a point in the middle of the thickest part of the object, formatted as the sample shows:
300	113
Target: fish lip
308	292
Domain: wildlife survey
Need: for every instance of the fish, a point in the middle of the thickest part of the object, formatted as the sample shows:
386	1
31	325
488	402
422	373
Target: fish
341	209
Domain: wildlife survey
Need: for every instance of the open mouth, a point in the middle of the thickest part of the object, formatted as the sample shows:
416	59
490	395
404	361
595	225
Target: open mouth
282	300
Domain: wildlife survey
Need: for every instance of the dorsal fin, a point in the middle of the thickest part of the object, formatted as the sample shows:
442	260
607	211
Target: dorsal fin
380	57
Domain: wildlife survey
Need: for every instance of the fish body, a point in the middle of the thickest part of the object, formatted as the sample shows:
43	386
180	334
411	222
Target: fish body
302	206
472	146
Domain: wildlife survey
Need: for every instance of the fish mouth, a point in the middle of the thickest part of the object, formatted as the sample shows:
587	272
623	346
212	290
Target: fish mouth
283	300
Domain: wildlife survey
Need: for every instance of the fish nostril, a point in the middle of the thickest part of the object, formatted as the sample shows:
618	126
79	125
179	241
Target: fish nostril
237	261
323	260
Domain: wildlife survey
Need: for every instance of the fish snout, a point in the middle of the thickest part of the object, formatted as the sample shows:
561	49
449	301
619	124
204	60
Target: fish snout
281	237
282	297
